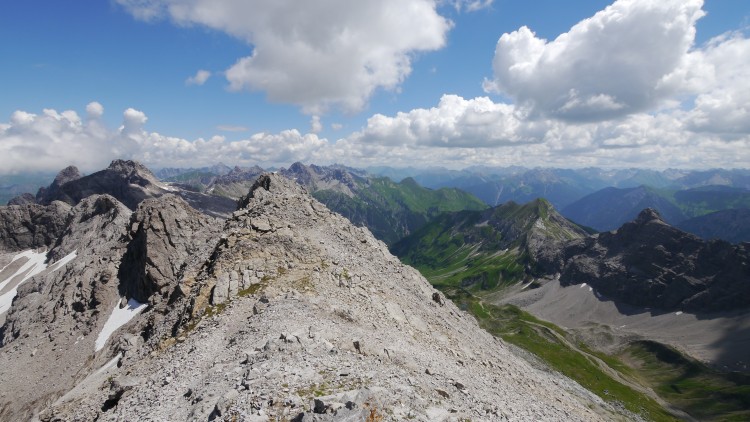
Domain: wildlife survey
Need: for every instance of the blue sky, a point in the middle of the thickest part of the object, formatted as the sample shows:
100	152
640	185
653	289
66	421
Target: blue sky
139	55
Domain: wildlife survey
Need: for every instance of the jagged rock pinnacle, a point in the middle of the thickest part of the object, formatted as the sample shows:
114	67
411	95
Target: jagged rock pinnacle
648	215
270	184
68	174
129	167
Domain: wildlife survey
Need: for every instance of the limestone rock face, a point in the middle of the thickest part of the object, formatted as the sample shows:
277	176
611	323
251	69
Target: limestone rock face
31	226
166	238
49	332
649	263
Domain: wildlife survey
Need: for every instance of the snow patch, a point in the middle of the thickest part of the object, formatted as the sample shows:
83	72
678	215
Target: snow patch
117	319
35	265
678	313
36	260
67	258
583	285
110	364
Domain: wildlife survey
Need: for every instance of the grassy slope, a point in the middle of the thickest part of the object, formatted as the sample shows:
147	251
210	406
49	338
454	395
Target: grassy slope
484	250
688	384
548	342
623	379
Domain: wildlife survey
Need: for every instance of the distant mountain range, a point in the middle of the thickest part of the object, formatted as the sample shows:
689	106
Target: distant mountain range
597	198
560	186
14	185
693	209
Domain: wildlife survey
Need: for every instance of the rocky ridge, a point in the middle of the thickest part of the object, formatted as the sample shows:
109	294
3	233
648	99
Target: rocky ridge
648	263
288	311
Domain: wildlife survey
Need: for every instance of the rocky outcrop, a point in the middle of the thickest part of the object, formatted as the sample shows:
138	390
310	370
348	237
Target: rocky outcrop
53	191
648	263
298	315
107	259
166	238
32	226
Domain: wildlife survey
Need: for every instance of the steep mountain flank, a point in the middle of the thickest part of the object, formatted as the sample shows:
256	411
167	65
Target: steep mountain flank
730	225
166	239
484	249
290	312
649	263
49	332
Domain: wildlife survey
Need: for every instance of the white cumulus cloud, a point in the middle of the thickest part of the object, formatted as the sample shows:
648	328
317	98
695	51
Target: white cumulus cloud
619	61
455	122
314	54
52	140
460	132
94	110
719	76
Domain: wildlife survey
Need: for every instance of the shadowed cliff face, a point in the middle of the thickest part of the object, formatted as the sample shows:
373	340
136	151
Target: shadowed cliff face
649	263
165	234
